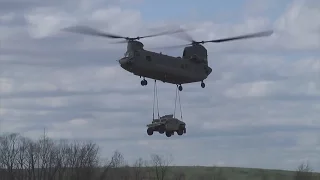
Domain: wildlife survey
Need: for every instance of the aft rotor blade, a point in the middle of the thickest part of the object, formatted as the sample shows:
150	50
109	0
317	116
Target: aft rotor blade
247	36
90	31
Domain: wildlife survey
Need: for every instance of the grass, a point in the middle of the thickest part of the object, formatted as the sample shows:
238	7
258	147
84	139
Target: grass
219	173
231	173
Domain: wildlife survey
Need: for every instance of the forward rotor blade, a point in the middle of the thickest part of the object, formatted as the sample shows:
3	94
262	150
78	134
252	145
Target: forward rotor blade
185	36
119	42
247	36
163	33
90	31
182	34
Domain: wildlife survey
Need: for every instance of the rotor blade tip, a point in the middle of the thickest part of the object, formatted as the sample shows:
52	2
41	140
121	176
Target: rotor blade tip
270	32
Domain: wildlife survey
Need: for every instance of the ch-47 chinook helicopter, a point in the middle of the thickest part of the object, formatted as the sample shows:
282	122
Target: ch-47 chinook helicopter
191	67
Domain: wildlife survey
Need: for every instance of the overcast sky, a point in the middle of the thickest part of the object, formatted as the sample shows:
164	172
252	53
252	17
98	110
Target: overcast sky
260	107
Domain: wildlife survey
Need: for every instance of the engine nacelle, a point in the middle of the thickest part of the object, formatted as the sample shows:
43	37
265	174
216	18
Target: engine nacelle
196	53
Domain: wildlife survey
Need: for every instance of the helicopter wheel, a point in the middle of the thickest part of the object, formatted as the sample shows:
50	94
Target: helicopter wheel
203	85
180	88
144	82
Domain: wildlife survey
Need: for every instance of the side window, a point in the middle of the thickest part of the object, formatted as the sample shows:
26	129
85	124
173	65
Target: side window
148	58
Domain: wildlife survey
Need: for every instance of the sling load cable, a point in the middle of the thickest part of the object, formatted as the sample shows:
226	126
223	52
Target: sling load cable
155	98
180	106
175	103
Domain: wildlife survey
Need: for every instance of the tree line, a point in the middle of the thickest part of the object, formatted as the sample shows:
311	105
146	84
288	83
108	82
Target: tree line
46	159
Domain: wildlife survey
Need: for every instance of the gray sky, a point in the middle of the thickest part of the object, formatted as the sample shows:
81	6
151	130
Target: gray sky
260	107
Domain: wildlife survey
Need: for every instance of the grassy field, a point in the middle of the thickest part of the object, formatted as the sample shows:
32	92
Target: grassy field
185	173
233	173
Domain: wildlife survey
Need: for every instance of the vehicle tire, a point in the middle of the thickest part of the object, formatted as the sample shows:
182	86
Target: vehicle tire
180	132
150	131
162	129
168	134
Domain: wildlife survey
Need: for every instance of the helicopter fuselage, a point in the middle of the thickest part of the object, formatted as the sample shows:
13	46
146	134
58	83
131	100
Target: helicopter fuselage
168	69
192	67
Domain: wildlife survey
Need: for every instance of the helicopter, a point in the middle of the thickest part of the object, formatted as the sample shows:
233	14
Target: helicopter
190	68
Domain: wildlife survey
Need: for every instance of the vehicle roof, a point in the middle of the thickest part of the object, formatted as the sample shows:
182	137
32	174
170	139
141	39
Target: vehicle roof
167	116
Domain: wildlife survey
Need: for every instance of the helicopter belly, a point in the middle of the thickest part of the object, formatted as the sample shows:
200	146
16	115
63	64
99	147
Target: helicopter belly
166	74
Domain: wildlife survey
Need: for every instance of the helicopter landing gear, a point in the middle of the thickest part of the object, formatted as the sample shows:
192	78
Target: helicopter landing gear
203	85
144	82
180	87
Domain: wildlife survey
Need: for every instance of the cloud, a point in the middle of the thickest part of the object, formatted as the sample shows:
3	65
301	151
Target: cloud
262	96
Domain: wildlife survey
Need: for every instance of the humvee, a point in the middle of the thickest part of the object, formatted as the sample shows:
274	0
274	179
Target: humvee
167	124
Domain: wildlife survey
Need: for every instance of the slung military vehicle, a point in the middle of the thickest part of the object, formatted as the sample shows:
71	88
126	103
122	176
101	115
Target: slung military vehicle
167	124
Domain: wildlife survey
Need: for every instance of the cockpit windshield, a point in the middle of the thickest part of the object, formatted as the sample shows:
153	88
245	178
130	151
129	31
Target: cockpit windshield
129	54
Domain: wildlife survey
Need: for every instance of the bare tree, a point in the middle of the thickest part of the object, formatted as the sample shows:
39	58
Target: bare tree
82	159
8	154
148	170
160	165
45	159
137	169
21	161
303	172
116	168
121	170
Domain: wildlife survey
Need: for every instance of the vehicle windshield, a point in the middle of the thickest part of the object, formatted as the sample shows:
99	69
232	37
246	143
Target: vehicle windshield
156	120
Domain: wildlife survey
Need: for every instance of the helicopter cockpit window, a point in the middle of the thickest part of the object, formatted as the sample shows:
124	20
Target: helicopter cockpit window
129	54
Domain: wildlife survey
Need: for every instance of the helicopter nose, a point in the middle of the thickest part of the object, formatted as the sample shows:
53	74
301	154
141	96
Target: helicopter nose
123	61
